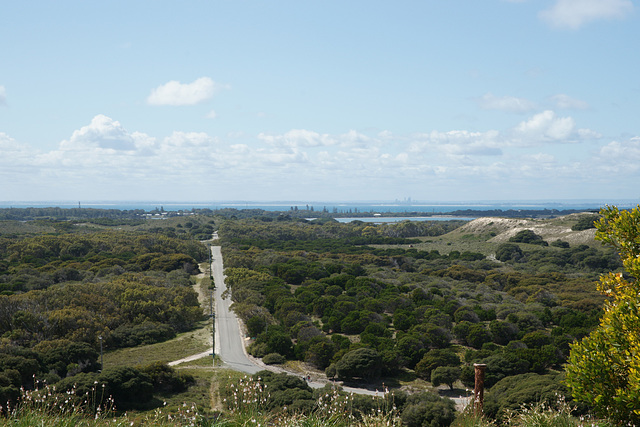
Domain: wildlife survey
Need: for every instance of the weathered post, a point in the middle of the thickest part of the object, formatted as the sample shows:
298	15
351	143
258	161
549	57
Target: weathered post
478	391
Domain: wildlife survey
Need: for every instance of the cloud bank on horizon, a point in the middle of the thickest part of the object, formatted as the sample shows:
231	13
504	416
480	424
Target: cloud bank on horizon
511	100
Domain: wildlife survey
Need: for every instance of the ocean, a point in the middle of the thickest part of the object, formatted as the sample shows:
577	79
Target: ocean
340	207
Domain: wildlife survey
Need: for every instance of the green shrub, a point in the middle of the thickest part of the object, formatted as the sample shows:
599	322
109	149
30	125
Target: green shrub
528	236
428	409
274	359
511	393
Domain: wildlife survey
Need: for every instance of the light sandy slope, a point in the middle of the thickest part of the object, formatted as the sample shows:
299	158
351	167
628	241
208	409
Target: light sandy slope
548	229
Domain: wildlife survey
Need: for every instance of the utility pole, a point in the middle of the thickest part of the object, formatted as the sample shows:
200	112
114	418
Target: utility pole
211	305
101	364
213	338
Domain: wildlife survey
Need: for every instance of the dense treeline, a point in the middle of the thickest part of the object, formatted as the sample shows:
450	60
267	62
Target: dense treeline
310	212
239	231
66	292
64	214
136	216
29	263
368	312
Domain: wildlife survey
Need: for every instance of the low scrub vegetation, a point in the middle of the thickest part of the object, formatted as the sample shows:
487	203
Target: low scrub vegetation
376	305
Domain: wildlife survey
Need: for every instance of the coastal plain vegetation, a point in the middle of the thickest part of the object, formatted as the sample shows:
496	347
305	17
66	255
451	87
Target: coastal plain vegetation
405	306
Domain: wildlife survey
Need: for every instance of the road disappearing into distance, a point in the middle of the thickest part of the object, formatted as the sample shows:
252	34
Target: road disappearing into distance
229	344
229	341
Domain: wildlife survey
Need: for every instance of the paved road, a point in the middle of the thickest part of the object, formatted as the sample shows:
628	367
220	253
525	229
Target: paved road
229	345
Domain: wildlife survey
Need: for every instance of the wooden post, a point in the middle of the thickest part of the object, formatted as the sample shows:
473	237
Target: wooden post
478	391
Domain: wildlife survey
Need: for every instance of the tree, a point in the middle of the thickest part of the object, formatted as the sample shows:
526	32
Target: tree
508	252
411	350
503	331
445	375
320	352
478	335
528	236
360	363
434	359
603	369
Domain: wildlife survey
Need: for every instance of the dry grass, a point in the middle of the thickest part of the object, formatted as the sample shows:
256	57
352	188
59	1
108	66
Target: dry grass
183	345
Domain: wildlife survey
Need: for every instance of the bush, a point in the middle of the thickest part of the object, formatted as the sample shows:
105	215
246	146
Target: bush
560	244
528	236
428	409
585	223
274	359
434	359
165	379
508	252
129	387
360	363
511	393
603	369
478	335
129	335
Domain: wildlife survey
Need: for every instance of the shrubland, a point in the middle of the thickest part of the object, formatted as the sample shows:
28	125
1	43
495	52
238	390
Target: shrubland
362	309
68	288
407	306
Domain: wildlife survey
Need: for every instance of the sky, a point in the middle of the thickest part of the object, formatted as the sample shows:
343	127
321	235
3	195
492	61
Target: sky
358	100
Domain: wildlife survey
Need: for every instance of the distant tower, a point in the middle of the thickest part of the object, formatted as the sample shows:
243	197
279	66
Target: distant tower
79	207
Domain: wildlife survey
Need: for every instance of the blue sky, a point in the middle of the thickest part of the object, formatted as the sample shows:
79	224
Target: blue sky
319	100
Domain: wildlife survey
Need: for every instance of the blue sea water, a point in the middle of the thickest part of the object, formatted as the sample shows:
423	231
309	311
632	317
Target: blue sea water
341	207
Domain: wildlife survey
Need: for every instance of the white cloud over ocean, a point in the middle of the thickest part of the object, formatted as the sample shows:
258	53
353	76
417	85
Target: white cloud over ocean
104	158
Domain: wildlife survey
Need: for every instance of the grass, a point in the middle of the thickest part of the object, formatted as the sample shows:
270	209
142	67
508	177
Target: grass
332	410
183	345
197	394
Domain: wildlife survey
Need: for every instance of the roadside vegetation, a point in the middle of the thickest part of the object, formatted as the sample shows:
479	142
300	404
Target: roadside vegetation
404	307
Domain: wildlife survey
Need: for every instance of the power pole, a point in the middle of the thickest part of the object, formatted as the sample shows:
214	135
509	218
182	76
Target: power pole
211	305
101	364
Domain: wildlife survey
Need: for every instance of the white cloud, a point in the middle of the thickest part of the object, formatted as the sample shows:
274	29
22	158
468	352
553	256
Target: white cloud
7	143
298	138
104	160
509	104
189	140
357	140
566	102
541	158
573	14
103	133
176	93
212	114
459	143
627	152
588	134
3	95
546	126
13	154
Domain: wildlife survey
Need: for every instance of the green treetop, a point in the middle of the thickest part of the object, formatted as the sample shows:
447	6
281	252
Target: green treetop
604	368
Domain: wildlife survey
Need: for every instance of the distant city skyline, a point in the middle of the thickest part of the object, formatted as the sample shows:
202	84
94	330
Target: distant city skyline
345	101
